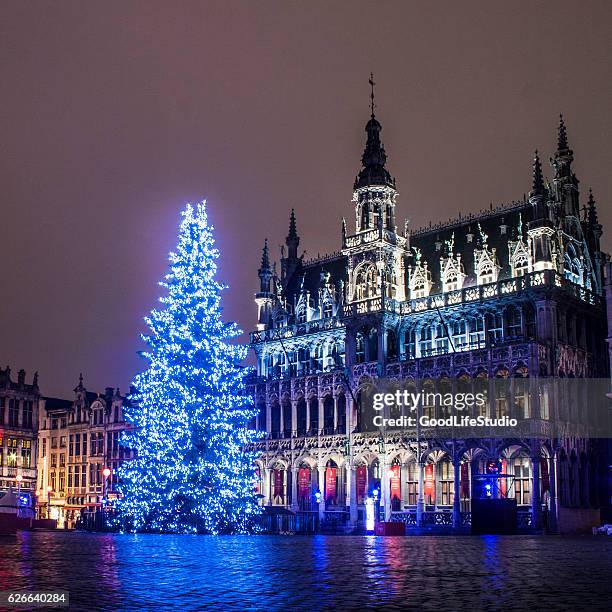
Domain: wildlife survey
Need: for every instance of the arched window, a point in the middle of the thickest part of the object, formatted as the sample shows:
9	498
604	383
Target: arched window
335	356
293	363
317	357
365	216
451	281
300	315
513	322
459	331
494	328
486	274
373	345
328	415
365	282
341	413
313	404
359	348
275	420
446	478
410	343
425	341
261	416
476	330
521	468
391	345
328	309
301	417
304	360
520	265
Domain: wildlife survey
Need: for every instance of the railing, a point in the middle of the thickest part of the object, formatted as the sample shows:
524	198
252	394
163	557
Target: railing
475	293
438	519
297	329
409	518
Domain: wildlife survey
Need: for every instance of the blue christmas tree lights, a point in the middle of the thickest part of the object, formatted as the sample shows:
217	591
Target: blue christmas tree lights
189	410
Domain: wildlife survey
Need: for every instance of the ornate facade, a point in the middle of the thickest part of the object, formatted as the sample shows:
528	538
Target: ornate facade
511	292
19	407
77	440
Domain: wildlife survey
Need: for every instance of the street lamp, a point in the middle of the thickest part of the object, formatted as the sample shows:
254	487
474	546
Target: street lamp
49	489
18	478
106	472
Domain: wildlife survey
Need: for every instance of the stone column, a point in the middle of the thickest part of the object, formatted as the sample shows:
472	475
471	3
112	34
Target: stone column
268	487
321	485
293	417
335	413
385	485
294	489
307	401
457	490
536	506
321	413
268	417
281	429
553	516
420	509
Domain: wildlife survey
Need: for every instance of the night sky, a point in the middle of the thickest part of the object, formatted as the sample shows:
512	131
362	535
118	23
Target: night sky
115	114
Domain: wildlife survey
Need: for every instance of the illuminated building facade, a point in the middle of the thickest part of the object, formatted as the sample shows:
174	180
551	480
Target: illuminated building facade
516	292
19	407
77	441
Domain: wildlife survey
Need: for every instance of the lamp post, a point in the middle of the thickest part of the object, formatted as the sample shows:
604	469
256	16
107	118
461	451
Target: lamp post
18	478
106	472
49	490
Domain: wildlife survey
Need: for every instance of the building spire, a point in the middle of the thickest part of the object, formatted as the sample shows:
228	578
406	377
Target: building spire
265	257
293	240
292	226
537	187
265	271
372	83
374	156
592	210
562	136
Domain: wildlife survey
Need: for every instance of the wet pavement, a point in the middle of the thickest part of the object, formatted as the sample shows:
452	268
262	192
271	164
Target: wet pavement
164	572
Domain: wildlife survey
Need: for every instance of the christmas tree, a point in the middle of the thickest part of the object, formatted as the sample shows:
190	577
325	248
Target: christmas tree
188	409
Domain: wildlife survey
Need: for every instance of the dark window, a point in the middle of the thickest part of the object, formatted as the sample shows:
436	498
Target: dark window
13	413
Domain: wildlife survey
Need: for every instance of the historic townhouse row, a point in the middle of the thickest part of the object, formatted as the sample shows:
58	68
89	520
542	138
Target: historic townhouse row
55	451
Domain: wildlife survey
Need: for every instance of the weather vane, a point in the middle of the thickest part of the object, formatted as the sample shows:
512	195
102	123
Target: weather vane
372	83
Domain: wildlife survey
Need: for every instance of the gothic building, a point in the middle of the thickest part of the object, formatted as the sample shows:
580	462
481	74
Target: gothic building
514	292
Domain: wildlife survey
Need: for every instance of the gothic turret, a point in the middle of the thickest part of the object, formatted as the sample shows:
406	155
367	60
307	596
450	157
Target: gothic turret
374	188
291	262
264	298
537	184
374	156
565	181
265	271
540	229
592	210
293	240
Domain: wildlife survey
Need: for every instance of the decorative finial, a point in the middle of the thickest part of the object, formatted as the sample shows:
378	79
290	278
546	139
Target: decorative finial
265	259
372	83
592	210
292	225
562	137
537	186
